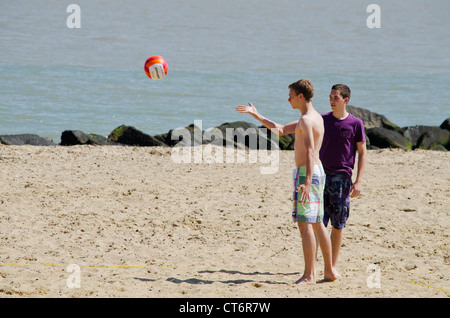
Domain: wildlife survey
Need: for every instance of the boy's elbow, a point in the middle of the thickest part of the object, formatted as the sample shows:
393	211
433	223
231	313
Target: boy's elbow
283	131
278	131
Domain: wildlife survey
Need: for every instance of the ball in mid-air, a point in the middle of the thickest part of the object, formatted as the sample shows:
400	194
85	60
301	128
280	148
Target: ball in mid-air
156	67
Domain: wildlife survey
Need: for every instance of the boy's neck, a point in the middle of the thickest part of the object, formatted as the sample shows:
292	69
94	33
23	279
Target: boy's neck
306	107
340	113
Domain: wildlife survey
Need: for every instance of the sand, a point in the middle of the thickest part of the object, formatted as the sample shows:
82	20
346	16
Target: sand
138	224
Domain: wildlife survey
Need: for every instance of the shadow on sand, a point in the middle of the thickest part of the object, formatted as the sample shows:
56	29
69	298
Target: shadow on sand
196	281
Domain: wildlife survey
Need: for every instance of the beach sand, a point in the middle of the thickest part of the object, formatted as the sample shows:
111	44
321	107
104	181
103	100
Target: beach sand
138	224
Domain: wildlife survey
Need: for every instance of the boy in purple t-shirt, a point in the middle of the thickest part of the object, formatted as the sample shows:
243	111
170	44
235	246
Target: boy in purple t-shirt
344	136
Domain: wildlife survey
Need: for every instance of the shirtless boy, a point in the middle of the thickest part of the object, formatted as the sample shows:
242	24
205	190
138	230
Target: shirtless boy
309	176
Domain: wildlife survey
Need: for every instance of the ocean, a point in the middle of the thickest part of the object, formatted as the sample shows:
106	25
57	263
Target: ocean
220	54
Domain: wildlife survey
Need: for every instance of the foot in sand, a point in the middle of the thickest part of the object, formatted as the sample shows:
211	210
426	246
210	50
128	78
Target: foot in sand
331	275
306	281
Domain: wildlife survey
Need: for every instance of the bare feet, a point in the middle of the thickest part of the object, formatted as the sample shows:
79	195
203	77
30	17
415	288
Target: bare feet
306	281
331	275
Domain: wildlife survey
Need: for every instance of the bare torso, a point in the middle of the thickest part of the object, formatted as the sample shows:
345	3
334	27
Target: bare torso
299	146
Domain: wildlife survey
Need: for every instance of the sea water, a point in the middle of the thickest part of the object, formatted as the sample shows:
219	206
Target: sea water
221	54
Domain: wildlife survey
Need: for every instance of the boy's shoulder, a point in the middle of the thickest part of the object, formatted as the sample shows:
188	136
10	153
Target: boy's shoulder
355	120
327	114
351	119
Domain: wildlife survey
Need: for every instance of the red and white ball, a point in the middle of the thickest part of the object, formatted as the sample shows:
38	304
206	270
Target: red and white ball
156	67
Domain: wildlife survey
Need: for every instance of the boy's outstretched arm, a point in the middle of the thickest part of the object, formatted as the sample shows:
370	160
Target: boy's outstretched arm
278	129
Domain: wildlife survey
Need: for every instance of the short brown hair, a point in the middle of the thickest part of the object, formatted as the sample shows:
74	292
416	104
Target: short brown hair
305	87
343	89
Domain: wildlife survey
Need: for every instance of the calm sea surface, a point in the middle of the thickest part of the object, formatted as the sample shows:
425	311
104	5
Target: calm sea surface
220	54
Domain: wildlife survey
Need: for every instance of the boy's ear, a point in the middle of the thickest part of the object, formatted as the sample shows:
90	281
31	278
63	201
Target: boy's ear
346	100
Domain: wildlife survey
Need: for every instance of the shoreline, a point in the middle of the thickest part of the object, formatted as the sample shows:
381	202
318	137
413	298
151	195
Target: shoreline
380	134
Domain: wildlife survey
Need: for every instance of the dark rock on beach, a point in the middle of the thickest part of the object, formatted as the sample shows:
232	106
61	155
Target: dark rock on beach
241	135
73	137
99	140
445	124
434	139
385	138
382	133
427	137
186	137
372	119
25	139
77	137
129	135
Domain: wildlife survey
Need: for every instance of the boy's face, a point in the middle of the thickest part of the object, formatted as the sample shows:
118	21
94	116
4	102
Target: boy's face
294	99
336	100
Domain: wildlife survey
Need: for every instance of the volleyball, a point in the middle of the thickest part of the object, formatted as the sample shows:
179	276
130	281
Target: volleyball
156	67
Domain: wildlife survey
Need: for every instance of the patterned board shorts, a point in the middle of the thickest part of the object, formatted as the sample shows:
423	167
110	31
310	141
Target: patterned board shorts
337	199
311	212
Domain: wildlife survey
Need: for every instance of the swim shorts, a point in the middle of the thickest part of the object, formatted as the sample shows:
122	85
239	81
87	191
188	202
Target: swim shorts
337	199
312	211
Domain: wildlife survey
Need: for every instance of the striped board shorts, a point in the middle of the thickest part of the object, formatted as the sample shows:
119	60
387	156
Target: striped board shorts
312	211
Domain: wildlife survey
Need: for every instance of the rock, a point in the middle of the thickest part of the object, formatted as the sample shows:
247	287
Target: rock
73	137
235	125
438	148
413	133
188	136
371	119
286	142
433	138
385	138
185	137
387	134
445	124
25	139
129	135
99	140
241	131
427	137
163	138
77	137
247	135
244	135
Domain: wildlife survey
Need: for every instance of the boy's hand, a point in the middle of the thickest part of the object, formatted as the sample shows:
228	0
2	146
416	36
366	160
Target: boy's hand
355	190
304	193
247	109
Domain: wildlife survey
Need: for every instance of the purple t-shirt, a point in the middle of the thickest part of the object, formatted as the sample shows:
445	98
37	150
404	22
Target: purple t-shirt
339	143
